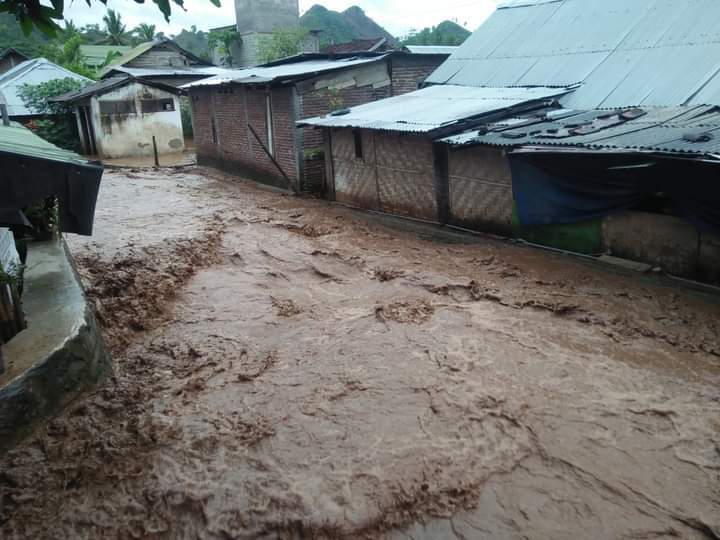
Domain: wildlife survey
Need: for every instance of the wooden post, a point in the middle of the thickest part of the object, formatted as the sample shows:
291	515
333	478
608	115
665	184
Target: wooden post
157	162
4	112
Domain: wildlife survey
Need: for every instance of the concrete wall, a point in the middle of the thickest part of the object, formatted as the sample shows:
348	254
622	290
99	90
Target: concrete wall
125	135
669	242
266	15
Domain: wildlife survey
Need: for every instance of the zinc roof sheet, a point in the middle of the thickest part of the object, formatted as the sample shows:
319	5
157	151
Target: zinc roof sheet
18	140
431	49
432	108
36	71
281	72
654	53
656	130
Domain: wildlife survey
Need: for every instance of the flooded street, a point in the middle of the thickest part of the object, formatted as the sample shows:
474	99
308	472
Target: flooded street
285	368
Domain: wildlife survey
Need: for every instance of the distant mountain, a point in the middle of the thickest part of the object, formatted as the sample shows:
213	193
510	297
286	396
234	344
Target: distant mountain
445	33
342	27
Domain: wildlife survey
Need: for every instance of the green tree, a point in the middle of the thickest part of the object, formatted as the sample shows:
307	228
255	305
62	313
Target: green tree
70	30
145	32
68	56
31	13
282	44
115	30
60	128
223	41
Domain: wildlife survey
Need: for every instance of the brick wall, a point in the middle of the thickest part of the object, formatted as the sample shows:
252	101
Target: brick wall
320	102
409	71
237	150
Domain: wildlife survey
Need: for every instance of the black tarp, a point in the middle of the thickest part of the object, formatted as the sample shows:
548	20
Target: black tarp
569	188
25	180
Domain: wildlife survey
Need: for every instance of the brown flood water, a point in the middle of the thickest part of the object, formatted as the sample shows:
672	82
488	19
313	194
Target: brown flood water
290	369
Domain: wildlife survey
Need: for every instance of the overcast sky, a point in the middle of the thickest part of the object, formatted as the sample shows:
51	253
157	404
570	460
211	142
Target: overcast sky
397	16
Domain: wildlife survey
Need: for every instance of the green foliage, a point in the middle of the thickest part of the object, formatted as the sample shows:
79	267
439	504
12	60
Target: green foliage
115	30
186	117
31	14
223	41
68	56
45	218
11	36
281	44
194	41
445	33
335	100
145	32
343	27
61	128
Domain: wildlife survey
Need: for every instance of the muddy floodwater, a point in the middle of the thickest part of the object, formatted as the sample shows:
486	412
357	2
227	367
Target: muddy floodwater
286	368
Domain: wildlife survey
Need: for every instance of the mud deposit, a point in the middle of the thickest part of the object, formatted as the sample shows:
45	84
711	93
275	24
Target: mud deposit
289	369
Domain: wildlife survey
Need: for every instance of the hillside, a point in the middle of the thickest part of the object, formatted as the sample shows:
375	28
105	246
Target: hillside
445	33
342	27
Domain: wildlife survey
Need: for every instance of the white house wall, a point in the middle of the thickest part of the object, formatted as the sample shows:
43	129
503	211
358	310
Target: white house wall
128	135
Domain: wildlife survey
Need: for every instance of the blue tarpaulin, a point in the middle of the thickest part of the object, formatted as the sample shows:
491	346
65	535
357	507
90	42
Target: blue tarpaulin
569	188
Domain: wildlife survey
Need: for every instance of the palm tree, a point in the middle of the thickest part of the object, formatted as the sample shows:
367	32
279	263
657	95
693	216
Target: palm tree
114	29
145	32
70	30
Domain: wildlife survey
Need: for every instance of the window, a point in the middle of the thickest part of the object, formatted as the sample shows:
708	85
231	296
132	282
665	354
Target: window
269	125
117	107
213	127
157	105
357	136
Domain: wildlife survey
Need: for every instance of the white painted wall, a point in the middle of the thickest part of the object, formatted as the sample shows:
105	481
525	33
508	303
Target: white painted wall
129	135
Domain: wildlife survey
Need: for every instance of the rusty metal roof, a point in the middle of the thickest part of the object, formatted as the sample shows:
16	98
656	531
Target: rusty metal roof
651	53
433	108
678	130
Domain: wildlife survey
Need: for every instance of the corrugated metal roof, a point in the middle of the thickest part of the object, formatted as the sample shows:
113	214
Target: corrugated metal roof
95	55
142	48
432	108
431	49
18	140
625	53
200	71
106	85
692	130
36	71
282	72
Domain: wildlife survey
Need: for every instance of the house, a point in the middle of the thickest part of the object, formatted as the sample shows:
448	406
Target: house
9	58
31	72
161	61
629	78
244	121
95	56
125	117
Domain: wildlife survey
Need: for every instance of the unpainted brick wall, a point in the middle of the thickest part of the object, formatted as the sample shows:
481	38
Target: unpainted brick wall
320	102
233	109
410	71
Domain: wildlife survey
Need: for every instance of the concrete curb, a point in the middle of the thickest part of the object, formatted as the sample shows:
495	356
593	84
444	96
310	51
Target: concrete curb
59	356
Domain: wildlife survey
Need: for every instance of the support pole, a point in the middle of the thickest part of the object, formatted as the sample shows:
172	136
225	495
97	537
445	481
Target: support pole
4	112
157	162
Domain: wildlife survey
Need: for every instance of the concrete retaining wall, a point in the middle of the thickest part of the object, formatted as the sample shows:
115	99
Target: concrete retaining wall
59	356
